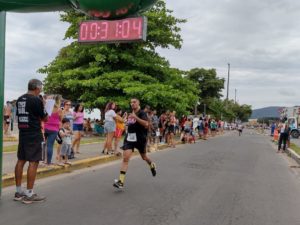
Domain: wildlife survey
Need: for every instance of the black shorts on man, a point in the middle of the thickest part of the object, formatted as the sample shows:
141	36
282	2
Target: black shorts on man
30	146
140	145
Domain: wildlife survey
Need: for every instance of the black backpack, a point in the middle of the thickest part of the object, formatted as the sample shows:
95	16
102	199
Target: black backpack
58	137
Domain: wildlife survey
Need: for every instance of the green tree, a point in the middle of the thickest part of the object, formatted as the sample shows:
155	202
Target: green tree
244	112
208	84
235	111
217	108
96	74
229	110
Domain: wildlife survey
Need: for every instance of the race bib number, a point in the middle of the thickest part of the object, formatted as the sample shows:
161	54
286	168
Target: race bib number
131	137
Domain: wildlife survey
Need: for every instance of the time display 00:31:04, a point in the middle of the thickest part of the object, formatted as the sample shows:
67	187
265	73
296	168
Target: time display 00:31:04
130	29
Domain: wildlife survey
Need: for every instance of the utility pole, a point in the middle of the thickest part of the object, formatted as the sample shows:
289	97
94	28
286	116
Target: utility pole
2	74
235	91
228	81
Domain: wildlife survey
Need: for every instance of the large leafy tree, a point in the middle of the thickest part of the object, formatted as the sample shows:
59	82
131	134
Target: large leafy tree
208	84
229	110
243	112
96	74
217	108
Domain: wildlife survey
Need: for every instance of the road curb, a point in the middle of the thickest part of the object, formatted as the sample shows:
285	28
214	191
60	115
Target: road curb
9	179
291	153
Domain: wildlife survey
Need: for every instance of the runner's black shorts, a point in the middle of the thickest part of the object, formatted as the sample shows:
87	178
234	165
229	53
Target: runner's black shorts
30	146
171	129
140	145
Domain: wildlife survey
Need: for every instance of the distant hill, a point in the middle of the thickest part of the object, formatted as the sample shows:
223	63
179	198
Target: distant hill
266	112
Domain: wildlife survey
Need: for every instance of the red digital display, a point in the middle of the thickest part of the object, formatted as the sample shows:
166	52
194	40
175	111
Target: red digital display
113	31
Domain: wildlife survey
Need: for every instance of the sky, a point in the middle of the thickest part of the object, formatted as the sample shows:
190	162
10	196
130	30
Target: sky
259	38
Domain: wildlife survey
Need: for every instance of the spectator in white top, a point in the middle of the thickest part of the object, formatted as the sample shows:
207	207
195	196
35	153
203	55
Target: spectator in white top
109	127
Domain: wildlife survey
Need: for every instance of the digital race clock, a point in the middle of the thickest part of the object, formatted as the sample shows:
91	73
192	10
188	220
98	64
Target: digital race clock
112	31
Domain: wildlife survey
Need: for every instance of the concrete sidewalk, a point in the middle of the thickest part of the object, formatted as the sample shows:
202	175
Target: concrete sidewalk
87	151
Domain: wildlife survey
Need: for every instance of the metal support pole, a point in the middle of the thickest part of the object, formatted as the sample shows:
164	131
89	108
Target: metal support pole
2	74
235	91
228	81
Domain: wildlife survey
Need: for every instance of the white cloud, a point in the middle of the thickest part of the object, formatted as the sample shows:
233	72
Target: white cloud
32	41
260	39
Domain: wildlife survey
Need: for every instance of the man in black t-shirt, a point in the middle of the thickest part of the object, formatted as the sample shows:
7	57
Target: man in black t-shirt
136	137
30	112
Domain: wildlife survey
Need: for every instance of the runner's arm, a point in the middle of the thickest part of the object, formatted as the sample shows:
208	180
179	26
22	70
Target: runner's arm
143	122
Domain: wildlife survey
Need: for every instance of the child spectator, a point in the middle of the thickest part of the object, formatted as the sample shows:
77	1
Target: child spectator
66	135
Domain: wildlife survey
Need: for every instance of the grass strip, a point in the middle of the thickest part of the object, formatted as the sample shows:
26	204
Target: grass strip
295	147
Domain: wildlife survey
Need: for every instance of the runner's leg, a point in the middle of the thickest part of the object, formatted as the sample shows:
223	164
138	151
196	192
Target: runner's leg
149	162
126	157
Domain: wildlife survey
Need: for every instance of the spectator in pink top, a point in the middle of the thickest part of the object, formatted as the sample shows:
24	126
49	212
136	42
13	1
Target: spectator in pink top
52	128
77	127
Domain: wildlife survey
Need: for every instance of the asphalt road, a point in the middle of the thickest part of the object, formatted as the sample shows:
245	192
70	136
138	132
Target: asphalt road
227	180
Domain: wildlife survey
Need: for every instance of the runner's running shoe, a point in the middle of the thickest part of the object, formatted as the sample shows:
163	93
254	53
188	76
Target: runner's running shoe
118	184
19	196
153	169
34	198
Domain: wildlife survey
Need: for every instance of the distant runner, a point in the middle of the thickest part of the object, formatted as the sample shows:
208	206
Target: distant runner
136	138
240	129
